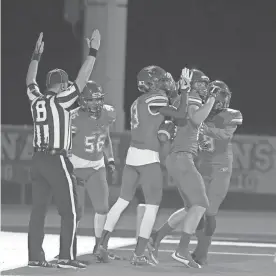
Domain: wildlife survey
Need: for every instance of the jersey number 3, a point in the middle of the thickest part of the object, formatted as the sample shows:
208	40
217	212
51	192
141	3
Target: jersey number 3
94	143
134	122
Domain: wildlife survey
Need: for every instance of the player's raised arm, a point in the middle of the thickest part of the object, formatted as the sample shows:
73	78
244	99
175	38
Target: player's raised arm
199	114
32	88
184	85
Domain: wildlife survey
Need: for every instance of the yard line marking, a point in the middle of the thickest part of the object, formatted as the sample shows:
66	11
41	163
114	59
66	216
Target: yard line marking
213	253
229	243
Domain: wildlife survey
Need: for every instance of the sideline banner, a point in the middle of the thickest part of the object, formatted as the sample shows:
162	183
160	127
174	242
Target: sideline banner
254	169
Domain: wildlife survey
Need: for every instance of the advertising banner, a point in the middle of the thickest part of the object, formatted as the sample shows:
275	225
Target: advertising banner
254	169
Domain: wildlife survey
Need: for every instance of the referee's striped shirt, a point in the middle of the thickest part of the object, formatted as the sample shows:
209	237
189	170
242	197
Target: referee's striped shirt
51	117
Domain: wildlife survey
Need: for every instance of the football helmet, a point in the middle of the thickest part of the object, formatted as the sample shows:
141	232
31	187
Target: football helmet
199	83
154	78
92	99
223	96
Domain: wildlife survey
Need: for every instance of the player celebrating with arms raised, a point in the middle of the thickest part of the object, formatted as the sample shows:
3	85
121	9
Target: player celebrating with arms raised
142	161
215	163
180	165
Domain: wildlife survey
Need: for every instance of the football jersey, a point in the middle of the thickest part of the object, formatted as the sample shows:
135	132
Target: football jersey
219	151
145	120
186	136
89	134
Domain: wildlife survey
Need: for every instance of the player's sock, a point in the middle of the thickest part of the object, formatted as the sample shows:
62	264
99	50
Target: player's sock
140	214
204	237
184	243
105	238
146	228
99	221
169	226
140	246
203	245
210	225
112	218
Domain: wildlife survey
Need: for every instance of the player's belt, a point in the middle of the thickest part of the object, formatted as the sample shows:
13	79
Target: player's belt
53	152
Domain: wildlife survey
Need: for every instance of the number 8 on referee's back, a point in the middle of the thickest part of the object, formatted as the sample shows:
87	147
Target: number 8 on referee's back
41	112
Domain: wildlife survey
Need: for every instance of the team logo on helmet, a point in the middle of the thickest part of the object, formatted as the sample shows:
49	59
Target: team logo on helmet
92	99
154	78
223	96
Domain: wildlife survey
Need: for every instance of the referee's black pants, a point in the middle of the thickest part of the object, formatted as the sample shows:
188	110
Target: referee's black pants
53	175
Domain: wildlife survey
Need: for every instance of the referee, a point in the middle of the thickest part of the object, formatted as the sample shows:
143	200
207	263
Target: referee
52	172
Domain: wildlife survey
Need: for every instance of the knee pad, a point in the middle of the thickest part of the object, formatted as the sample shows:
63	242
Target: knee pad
201	223
210	225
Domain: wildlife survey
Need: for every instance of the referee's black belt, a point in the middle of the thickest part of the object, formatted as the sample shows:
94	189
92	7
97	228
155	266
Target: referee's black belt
53	152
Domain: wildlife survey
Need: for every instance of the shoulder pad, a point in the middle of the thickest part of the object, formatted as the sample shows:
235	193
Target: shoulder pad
195	101
156	99
111	113
234	117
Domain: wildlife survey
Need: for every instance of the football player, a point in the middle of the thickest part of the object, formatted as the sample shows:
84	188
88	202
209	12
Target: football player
149	132
91	140
215	163
180	165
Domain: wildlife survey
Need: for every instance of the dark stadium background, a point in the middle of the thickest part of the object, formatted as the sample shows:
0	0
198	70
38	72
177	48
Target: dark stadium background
230	40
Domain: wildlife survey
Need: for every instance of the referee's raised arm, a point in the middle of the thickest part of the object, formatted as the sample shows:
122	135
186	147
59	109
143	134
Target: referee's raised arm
32	88
67	97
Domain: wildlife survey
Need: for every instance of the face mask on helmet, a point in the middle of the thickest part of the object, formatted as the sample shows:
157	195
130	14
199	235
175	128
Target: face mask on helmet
200	83
92	99
222	100
201	89
223	96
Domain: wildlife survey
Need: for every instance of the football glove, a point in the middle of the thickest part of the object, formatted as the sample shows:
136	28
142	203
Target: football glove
111	166
214	91
167	131
184	84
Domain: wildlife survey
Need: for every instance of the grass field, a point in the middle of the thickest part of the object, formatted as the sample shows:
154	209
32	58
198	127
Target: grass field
226	258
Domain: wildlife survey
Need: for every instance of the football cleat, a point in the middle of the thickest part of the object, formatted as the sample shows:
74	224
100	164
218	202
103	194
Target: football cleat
186	259
102	255
153	250
74	264
201	261
141	260
42	264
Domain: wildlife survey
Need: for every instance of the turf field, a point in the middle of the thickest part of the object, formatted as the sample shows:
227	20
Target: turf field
226	258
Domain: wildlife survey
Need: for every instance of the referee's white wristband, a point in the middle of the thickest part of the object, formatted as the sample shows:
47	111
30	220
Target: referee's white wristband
111	160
